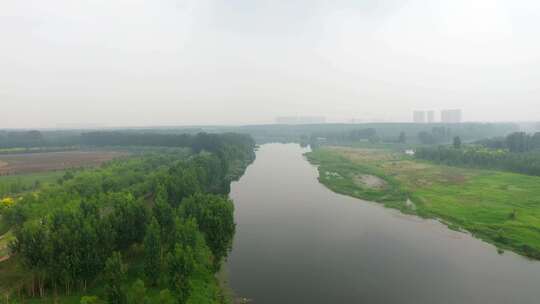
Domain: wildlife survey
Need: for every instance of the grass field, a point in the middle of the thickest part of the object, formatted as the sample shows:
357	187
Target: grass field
498	207
30	178
15	184
50	161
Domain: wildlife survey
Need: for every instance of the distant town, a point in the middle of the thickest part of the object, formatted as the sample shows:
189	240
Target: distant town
447	116
300	120
429	116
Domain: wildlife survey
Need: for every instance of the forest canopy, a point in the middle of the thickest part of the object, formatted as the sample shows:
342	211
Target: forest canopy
167	212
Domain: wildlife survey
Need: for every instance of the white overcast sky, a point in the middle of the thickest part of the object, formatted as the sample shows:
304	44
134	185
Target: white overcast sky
184	62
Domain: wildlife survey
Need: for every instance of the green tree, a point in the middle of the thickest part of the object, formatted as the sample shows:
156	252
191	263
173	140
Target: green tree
161	193
215	217
180	267
67	258
32	243
114	274
426	138
128	219
164	214
165	297
457	142
182	182
152	252
518	142
137	293
90	259
402	138
535	141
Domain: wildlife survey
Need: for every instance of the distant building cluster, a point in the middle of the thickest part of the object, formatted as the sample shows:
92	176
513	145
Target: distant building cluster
419	116
447	116
300	120
451	116
430	116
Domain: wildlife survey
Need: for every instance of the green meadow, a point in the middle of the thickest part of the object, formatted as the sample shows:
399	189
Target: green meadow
14	184
498	207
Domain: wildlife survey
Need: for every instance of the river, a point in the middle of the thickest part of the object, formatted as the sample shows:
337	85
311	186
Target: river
298	242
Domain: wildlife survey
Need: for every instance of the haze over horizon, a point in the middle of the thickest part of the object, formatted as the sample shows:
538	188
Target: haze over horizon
214	62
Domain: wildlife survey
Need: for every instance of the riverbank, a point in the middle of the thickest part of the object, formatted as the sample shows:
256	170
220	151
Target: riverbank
498	207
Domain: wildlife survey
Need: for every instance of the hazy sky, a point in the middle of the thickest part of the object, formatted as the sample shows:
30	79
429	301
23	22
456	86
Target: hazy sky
179	62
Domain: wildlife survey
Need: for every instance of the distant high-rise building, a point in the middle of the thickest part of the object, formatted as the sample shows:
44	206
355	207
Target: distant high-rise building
419	116
451	116
430	116
300	120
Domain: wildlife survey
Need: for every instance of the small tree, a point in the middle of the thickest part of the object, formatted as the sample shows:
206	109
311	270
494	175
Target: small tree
426	138
457	142
373	139
114	277
164	214
402	138
152	252
214	215
165	297
180	266
137	293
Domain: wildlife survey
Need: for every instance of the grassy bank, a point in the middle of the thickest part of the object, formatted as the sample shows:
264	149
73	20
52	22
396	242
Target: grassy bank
498	207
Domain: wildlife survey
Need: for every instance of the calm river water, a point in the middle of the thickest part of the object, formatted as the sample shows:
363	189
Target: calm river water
298	242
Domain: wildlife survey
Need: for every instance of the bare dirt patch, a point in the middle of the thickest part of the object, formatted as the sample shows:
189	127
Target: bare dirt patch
369	181
53	161
453	178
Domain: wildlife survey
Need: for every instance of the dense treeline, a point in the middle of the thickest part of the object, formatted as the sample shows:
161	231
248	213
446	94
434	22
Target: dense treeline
525	163
344	137
34	138
136	139
426	134
151	137
229	147
73	235
386	132
518	152
436	135
516	142
198	142
21	139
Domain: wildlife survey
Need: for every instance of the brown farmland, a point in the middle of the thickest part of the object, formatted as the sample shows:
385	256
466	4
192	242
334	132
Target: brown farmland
53	161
